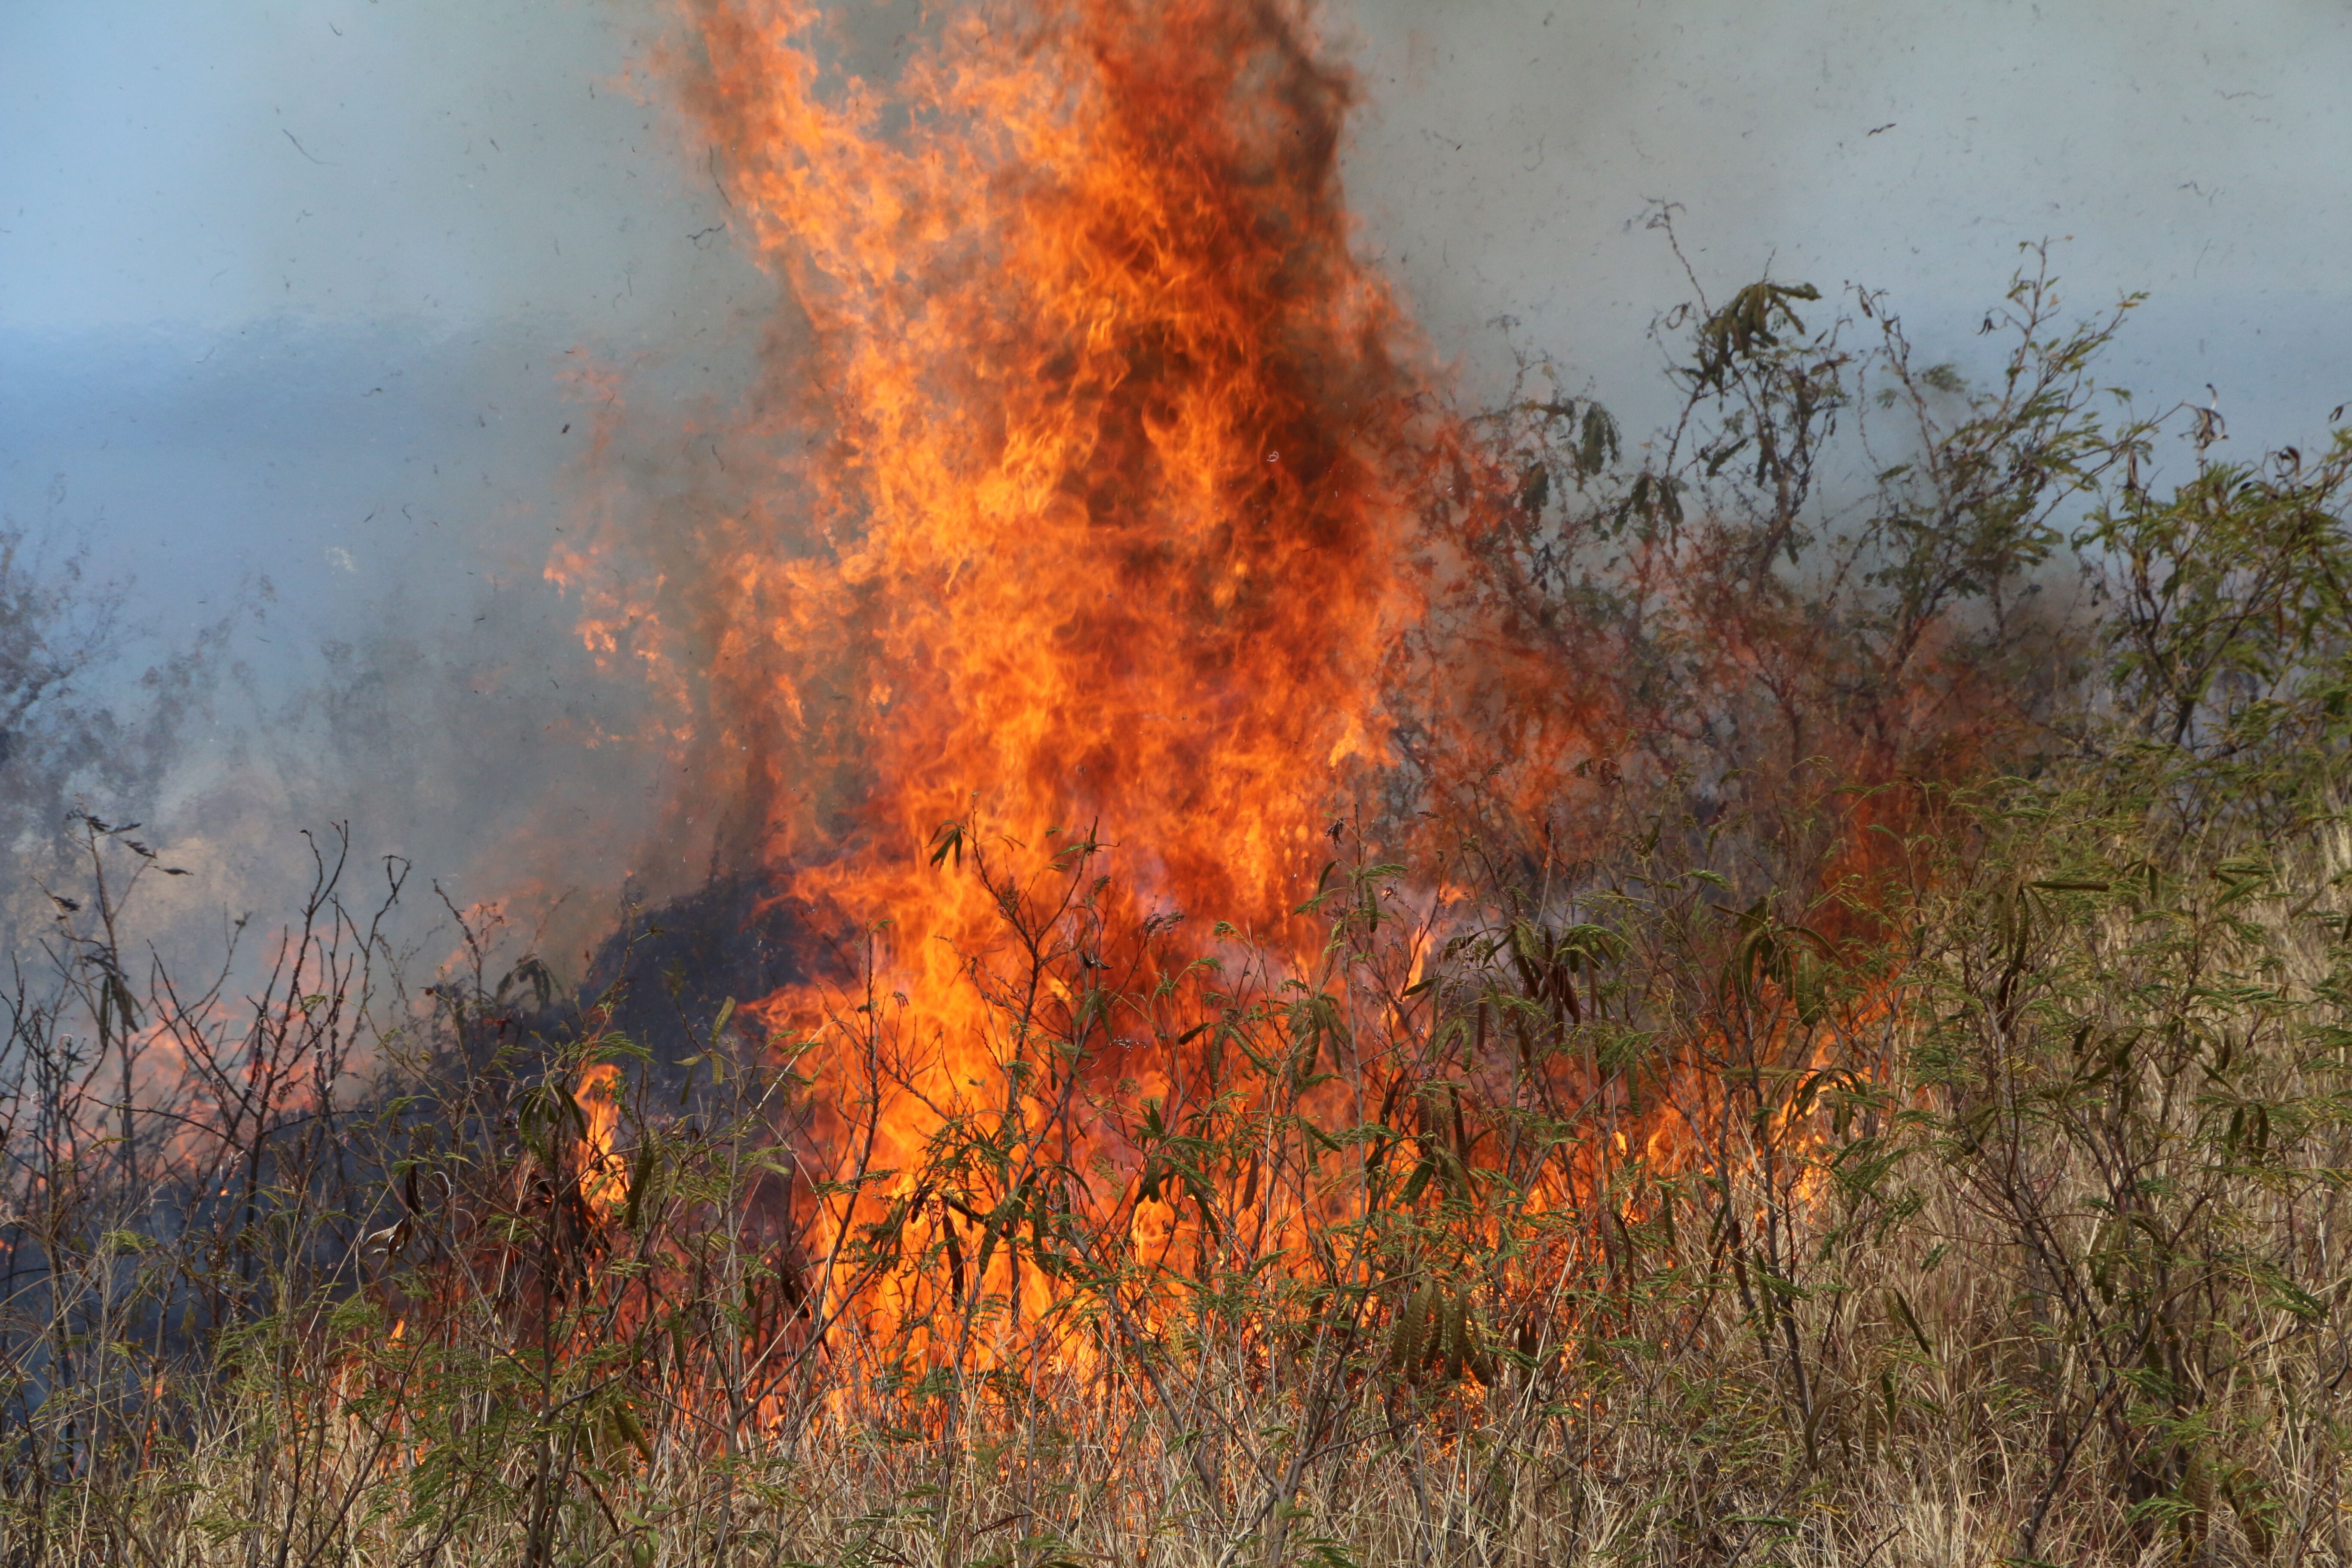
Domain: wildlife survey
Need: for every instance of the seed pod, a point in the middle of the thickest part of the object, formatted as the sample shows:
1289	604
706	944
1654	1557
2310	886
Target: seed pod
1409	1333
624	1421
1481	1360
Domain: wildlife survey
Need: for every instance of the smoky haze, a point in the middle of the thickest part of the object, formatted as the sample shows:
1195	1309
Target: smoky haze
310	314
1509	152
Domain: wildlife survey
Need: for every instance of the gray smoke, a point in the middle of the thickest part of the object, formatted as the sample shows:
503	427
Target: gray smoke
1510	151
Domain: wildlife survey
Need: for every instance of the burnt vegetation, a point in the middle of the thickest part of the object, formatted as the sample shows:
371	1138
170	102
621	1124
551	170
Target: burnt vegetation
1828	1046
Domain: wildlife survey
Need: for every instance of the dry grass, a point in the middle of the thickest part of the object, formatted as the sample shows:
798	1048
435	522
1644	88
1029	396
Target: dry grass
1865	1283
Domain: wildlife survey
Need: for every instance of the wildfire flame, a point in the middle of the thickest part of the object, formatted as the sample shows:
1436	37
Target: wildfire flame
603	1173
1110	500
1112	405
1113	501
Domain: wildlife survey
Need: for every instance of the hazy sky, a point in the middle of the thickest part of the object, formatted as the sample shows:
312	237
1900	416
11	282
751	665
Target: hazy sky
280	281
262	267
292	288
2201	152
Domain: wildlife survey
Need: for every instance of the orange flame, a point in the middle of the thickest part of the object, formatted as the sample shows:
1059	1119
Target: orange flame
603	1173
1110	513
1105	508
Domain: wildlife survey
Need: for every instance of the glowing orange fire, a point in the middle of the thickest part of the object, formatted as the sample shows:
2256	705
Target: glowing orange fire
603	1173
1111	403
1111	529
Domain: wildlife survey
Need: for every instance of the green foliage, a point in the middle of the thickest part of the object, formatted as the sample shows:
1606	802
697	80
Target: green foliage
2228	636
